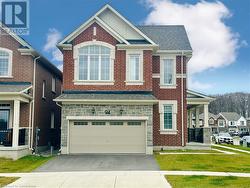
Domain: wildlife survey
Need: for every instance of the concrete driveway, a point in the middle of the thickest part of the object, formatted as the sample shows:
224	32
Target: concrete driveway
64	163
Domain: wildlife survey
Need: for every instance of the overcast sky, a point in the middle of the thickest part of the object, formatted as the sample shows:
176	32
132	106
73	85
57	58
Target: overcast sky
218	32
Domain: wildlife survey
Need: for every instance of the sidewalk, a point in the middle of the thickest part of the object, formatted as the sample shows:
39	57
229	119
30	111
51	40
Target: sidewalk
234	149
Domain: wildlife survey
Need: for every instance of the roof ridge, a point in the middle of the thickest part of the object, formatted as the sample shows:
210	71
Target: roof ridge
158	25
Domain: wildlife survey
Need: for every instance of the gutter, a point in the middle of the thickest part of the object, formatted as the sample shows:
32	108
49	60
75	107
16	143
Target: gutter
182	102
33	104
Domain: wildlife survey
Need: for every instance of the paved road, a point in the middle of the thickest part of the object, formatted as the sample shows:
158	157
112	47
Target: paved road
129	179
64	163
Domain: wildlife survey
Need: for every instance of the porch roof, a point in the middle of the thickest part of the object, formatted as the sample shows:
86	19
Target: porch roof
194	97
14	87
107	96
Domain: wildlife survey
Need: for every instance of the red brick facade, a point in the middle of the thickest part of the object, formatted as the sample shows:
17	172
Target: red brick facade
169	94
119	65
151	64
22	71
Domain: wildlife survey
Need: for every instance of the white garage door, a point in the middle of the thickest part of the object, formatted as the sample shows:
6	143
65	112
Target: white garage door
107	137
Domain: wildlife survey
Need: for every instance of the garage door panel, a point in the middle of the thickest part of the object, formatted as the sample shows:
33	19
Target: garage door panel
107	139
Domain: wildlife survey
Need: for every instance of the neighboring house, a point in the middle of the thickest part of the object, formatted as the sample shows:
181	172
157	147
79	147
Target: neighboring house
234	122
124	86
248	123
28	85
212	121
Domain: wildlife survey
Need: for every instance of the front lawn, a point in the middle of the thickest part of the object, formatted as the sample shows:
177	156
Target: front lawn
25	164
6	180
222	163
208	181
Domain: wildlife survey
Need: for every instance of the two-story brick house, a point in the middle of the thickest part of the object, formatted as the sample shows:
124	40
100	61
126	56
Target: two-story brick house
29	118
124	86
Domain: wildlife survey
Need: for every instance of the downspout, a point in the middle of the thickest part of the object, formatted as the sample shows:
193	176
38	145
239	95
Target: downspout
33	101
182	102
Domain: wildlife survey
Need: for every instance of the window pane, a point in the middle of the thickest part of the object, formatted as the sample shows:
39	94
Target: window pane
94	67
79	123
4	63
83	67
168	71
105	50
105	68
134	67
94	63
94	49
168	117
101	123
83	50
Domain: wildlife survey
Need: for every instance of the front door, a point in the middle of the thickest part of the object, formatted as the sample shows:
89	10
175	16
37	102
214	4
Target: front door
4	119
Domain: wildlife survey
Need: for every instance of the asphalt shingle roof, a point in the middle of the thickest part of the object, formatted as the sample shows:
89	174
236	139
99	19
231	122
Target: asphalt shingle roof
98	96
168	37
13	86
231	116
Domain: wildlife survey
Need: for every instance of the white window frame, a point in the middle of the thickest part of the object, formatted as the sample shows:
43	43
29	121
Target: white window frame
43	89
53	84
76	64
223	122
52	120
162	103
10	52
162	84
128	54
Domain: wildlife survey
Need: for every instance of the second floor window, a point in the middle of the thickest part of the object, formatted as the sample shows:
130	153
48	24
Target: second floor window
5	62
168	70
53	84
44	90
134	67
94	63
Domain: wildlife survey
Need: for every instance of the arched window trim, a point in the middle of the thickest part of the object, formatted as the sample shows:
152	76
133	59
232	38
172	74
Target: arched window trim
76	64
10	52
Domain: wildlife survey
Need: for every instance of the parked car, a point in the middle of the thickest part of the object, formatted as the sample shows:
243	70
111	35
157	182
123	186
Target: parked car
224	138
242	134
245	139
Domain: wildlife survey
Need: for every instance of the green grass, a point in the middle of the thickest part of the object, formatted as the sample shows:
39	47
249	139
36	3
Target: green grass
237	147
25	164
7	180
209	162
207	181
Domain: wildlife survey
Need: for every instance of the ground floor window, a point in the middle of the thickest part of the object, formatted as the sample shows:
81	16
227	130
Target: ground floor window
168	113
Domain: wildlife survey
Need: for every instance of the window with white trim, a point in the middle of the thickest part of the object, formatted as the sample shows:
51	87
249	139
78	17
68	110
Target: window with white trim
168	71
5	62
134	66
52	120
168	114
221	123
53	84
94	63
44	89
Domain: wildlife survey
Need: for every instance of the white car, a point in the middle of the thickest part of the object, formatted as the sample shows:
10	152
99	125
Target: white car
224	138
245	139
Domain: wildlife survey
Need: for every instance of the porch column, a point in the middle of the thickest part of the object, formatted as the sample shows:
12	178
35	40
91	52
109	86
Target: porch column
190	118
205	115
16	121
197	118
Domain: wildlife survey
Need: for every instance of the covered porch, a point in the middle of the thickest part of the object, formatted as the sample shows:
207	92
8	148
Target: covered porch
15	119
198	117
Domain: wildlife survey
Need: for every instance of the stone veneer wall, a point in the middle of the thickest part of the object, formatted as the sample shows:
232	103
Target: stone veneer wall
86	110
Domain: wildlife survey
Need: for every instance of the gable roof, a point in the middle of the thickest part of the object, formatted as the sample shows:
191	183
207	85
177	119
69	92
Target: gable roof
210	115
26	48
97	18
168	37
230	116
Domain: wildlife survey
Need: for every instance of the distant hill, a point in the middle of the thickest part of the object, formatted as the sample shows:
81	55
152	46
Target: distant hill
231	102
